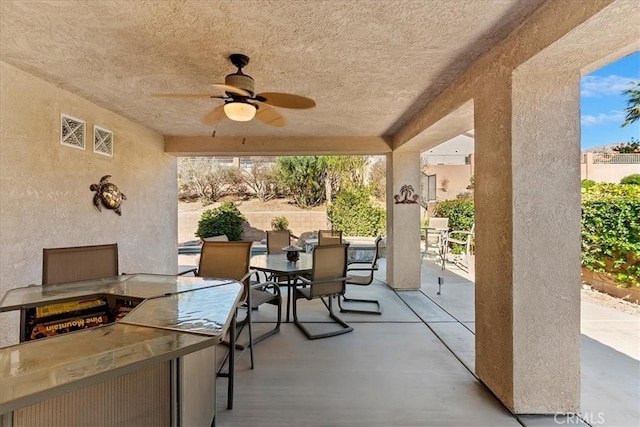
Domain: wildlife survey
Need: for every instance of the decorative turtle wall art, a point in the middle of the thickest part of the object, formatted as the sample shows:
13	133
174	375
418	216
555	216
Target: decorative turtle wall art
108	194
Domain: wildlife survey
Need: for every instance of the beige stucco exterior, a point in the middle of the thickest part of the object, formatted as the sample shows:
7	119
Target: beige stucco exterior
520	94
45	199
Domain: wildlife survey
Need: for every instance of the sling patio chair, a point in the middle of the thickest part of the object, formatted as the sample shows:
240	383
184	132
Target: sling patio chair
327	280
464	239
231	260
360	279
71	264
329	237
276	240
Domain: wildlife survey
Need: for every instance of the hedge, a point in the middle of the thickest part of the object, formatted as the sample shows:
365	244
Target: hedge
611	231
353	213
460	213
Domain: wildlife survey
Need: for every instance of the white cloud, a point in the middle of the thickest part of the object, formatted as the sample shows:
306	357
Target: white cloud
611	116
595	86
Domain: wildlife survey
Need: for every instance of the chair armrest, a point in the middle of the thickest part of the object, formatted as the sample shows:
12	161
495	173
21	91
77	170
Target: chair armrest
363	269
304	280
460	232
246	276
320	282
460	240
264	286
358	262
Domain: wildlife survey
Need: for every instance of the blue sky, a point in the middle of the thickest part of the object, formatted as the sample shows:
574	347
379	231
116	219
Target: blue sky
602	105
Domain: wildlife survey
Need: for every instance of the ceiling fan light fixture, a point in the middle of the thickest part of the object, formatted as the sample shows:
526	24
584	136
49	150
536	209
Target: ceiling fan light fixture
240	111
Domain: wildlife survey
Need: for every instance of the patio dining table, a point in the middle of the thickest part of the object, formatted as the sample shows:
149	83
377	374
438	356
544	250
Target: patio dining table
278	265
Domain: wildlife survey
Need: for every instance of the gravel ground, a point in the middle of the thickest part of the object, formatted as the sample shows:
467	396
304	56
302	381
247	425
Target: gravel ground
591	295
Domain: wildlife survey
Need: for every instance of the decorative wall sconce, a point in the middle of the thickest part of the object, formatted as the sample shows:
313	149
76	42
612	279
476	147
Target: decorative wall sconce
108	195
406	196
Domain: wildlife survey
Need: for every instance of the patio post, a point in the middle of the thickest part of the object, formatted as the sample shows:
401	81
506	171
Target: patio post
403	220
527	196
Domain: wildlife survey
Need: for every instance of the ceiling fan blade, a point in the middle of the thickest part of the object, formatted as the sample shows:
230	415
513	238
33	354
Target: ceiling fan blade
213	116
232	89
286	100
269	116
182	95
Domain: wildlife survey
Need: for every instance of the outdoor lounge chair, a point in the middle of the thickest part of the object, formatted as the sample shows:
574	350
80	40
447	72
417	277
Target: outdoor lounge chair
328	279
71	264
362	280
231	260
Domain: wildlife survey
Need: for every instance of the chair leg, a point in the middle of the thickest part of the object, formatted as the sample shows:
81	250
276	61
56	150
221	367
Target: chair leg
273	331
230	375
357	300
250	345
345	328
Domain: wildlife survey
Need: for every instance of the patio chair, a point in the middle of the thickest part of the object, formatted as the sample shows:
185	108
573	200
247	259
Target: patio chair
276	240
329	237
462	238
231	260
71	264
328	279
436	233
362	280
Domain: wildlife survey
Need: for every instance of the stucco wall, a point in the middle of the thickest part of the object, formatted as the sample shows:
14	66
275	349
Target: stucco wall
458	177
607	173
45	199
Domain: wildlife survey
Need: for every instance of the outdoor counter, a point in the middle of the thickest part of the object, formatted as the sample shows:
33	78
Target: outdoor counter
166	341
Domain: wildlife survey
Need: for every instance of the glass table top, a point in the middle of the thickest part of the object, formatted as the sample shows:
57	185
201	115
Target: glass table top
278	263
202	311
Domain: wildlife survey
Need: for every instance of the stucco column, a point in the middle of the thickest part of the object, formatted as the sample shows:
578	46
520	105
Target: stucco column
527	176
403	221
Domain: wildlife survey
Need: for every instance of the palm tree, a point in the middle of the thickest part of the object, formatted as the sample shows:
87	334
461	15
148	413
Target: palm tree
633	103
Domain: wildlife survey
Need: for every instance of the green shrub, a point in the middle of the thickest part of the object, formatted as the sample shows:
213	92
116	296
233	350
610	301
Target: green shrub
587	183
353	213
460	213
611	231
303	177
631	179
280	223
226	219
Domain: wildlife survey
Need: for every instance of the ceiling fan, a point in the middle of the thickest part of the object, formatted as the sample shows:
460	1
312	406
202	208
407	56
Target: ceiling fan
242	104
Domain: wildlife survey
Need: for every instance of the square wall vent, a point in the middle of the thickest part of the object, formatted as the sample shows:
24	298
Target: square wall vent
102	141
72	131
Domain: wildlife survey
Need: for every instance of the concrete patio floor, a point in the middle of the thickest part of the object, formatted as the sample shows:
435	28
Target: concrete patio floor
414	365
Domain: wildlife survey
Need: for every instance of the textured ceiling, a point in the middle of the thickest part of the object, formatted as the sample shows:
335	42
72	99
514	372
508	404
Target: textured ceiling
370	66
